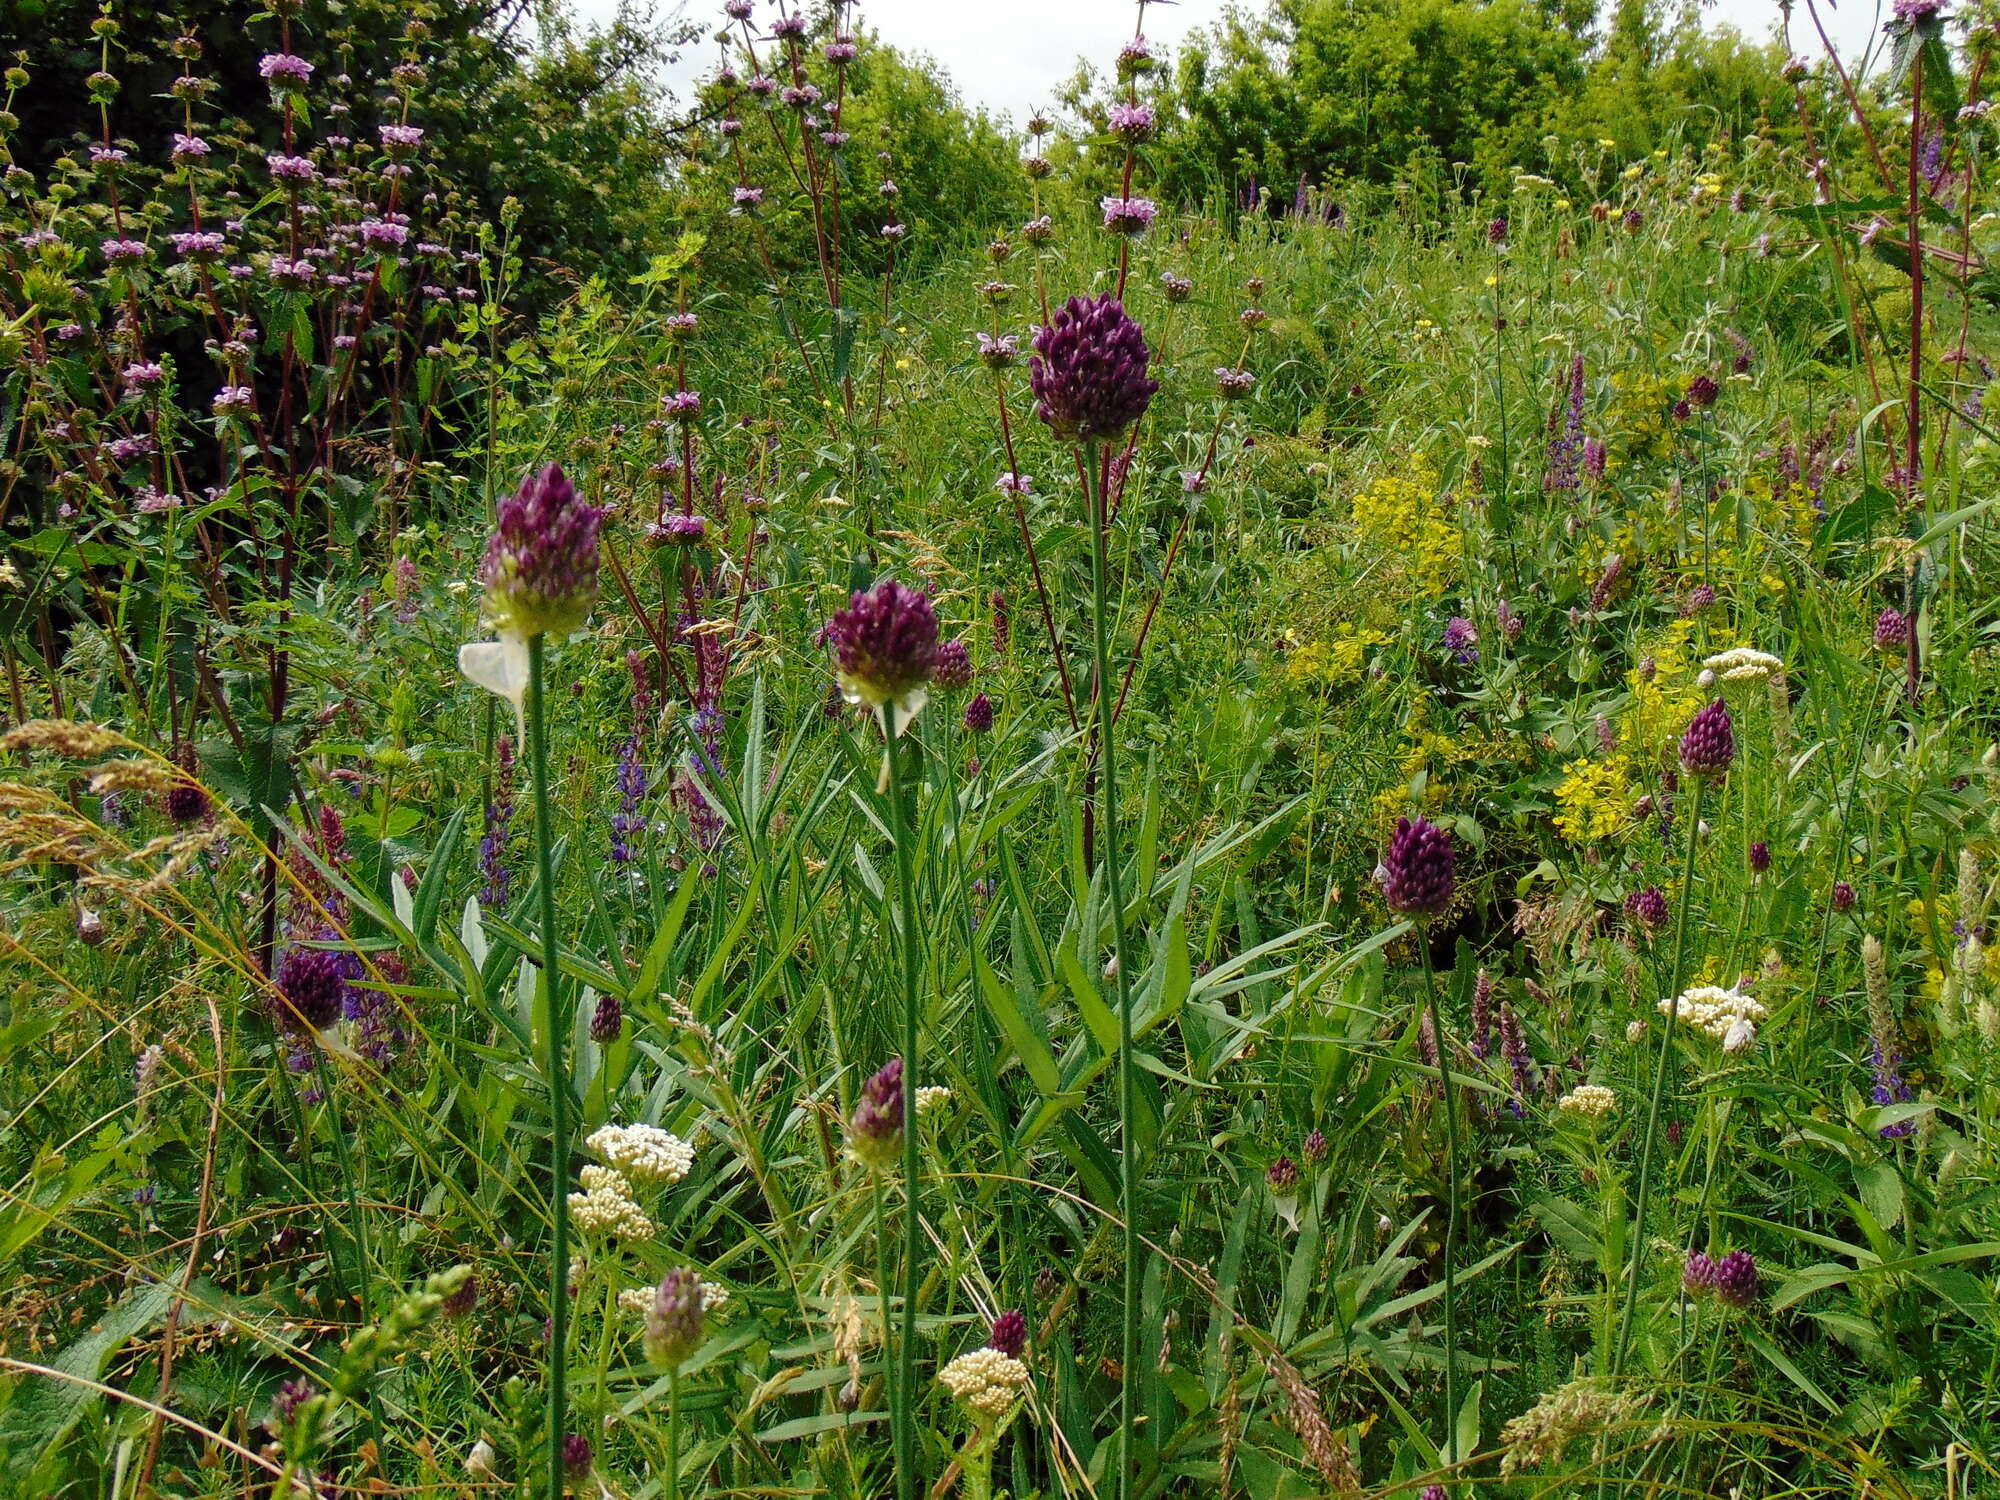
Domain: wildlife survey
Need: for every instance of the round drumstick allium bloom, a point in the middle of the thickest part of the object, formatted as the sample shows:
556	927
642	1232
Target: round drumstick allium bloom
674	1323
1282	1176
1089	370
1892	631
875	1133
1418	870
885	646
540	568
1843	896
1736	1278
1698	1275
312	986
1709	745
1648	908
979	714
608	1020
954	666
187	798
1010	1333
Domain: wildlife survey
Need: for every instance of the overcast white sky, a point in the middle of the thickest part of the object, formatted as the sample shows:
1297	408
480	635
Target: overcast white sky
1009	54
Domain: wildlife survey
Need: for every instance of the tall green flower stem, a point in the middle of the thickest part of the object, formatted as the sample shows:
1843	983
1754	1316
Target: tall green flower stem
1452	1172
674	1433
554	1074
1128	1146
902	1390
1685	899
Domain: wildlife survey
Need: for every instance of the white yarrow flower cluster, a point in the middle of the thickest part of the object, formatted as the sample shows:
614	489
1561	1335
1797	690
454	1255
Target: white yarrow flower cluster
1729	1016
646	1154
933	1097
1742	664
606	1206
1591	1101
985	1382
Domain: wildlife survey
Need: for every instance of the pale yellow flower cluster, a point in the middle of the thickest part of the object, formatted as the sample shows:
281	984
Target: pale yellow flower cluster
1716	1011
933	1097
1591	1101
646	1154
985	1381
606	1206
639	1299
1742	664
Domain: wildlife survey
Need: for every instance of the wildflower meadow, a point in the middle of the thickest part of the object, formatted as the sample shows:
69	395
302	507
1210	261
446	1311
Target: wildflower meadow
791	790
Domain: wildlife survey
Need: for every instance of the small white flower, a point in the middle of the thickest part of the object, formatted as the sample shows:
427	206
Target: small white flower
986	1382
1715	1011
1635	1031
932	1097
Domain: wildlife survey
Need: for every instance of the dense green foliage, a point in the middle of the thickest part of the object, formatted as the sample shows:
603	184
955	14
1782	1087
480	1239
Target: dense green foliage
452	957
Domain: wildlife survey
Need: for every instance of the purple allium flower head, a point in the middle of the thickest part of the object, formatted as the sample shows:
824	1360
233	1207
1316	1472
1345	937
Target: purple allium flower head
1010	1333
1131	123
1843	896
1736	1278
1703	391
1511	624
875	1133
979	714
954	666
312	987
291	1396
676	1321
1131	216
1282	1175
1315	1148
1496	230
1634	221
885	644
576	1457
540	568
1760	857
1461	639
1434	1492
1418	870
1089	370
1698	1275
187	798
1648	908
1702	597
1892	631
1709	745
283	70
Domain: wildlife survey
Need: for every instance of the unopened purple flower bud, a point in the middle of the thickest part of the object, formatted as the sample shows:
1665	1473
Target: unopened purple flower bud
1760	857
1418	871
1698	1275
979	714
1843	896
1709	746
1283	1176
608	1020
1892	631
1010	1333
875	1133
1648	908
954	666
676	1321
1736	1279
